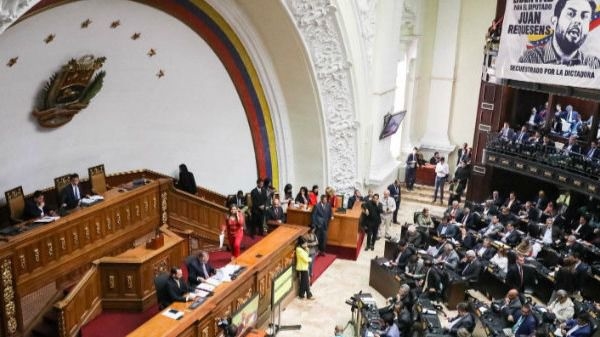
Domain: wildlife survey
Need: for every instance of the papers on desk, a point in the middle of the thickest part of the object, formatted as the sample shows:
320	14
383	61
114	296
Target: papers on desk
387	264
172	313
204	289
429	312
46	219
91	200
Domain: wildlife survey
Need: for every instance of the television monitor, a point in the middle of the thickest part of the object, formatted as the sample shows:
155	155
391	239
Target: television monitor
282	285
391	123
246	316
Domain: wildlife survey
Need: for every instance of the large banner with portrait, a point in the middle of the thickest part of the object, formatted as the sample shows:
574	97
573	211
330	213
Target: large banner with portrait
551	41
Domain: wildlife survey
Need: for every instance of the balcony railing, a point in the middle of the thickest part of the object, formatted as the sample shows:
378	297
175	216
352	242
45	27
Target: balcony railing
547	162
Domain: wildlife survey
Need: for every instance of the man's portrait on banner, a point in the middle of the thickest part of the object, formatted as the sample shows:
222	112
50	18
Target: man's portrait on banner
571	21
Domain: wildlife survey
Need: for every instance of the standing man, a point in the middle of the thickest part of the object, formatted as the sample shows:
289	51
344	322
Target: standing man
441	174
372	210
411	169
259	199
389	207
395	193
321	215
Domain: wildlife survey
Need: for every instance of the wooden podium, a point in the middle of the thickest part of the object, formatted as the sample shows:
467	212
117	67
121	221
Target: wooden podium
344	236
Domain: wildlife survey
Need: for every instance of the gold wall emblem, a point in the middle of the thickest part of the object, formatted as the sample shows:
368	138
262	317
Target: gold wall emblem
69	91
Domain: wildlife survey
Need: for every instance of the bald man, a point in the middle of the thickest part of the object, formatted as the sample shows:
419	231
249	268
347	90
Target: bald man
512	304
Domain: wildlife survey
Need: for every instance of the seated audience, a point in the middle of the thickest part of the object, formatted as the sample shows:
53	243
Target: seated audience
414	237
470	267
579	327
354	198
275	214
424	221
493	229
446	229
511	305
403	254
302	196
464	319
562	308
465	238
525	322
485	250
431	284
510	235
448	257
500	259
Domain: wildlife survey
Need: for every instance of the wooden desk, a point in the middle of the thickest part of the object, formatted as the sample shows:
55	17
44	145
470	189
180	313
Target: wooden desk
127	280
383	279
263	261
426	175
344	236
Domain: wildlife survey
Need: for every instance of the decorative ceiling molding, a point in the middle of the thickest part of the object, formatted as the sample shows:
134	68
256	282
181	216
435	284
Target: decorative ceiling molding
318	24
11	10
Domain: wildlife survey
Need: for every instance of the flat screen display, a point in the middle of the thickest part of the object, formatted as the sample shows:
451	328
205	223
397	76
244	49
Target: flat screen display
391	123
246	316
282	285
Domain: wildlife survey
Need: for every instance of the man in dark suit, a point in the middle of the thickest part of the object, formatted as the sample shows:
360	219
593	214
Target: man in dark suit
581	271
517	276
411	170
403	255
522	136
511	236
511	305
431	283
321	215
372	210
447	229
512	203
593	152
36	208
571	147
541	201
275	216
199	270
396	194
506	133
354	198
259	200
470	267
464	319
525	322
485	250
177	288
584	230
496	199
468	219
71	194
581	327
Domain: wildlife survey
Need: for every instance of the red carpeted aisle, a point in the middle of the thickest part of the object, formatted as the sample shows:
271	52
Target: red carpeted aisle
122	323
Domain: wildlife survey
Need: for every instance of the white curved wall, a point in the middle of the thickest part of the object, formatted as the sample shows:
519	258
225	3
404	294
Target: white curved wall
193	114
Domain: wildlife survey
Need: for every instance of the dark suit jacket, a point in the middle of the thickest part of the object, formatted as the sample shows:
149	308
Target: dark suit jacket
512	308
595	155
471	271
259	198
586	232
513	278
584	331
527	327
470	220
514	207
395	193
272	214
487	254
402	258
176	293
467	321
451	230
352	200
31	211
468	242
321	215
195	270
513	238
68	196
524	139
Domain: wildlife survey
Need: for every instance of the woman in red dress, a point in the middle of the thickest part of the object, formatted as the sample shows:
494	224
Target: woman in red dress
234	224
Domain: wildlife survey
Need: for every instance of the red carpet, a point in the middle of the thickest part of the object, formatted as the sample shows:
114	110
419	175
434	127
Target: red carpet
118	323
321	264
122	323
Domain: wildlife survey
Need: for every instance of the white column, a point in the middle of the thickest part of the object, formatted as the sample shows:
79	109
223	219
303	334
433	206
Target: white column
387	49
442	78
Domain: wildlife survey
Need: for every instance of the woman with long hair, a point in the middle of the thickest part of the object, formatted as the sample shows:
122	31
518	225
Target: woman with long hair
302	196
234	224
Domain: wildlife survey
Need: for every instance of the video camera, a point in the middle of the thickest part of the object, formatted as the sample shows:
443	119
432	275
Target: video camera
228	328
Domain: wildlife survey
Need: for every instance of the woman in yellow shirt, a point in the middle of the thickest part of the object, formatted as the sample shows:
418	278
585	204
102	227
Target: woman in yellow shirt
302	262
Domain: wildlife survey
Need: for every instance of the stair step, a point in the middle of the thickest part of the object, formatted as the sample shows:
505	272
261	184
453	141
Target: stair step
45	330
51	317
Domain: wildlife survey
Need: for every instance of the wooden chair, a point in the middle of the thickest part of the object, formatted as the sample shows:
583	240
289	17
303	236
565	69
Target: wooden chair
16	203
59	184
97	179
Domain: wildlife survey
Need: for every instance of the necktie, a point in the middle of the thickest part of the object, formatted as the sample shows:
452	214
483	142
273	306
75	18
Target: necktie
591	153
518	324
426	279
521	137
521	274
276	212
204	270
465	270
76	192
